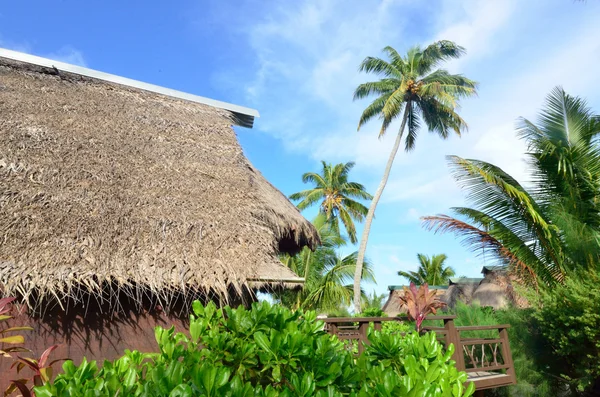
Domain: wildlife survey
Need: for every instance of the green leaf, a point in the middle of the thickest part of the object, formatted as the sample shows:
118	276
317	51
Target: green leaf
14	339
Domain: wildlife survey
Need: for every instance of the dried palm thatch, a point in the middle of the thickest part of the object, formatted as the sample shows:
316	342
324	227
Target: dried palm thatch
107	189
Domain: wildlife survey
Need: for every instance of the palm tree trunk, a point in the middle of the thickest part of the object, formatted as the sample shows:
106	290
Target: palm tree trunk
365	235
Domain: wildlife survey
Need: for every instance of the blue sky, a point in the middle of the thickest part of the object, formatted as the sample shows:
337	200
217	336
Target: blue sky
296	62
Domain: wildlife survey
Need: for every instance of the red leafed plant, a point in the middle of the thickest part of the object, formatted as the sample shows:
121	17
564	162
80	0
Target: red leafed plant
420	302
5	307
42	370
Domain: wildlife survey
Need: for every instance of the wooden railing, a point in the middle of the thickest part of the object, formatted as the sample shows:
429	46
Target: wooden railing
487	359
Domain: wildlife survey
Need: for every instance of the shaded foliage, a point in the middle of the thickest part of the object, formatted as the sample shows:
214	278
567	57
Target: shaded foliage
328	274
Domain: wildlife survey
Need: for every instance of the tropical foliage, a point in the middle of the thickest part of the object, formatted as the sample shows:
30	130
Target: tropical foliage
337	196
266	351
7	336
411	89
372	305
431	271
551	229
420	303
328	274
569	321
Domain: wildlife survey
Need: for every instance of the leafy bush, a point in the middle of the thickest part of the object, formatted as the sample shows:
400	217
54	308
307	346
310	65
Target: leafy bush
372	312
397	327
569	318
266	351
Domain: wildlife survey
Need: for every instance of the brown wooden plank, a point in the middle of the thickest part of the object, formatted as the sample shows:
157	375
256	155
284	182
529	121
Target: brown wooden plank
469	342
491	382
482	327
376	319
488	369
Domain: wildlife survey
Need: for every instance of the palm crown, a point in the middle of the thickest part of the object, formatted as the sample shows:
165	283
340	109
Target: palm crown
410	87
550	229
337	196
431	271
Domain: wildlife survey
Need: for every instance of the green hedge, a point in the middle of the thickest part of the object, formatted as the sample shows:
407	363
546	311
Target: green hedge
267	351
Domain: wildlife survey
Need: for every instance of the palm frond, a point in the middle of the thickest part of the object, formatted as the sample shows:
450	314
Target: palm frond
438	52
373	110
413	123
380	67
308	197
348	224
312	177
478	239
381	87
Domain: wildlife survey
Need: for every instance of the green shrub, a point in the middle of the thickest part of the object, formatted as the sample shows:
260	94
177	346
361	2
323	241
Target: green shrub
569	318
266	351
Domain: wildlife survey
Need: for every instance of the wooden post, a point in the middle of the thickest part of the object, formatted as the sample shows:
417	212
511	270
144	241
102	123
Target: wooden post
453	337
362	339
377	325
332	328
507	356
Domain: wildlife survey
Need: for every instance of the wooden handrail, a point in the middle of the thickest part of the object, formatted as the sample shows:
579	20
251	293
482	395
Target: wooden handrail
474	341
482	327
378	319
356	329
487	369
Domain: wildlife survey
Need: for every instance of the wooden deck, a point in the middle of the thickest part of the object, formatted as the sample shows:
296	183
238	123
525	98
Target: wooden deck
487	361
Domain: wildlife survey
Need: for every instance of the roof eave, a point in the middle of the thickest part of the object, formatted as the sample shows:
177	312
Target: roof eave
242	116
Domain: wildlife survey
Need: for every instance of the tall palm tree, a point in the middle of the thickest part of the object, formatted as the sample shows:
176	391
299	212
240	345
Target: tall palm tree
327	274
413	90
337	196
431	271
552	229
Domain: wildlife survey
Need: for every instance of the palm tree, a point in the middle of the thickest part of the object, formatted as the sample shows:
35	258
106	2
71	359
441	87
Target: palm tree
372	305
411	90
431	271
327	274
336	195
552	229
334	287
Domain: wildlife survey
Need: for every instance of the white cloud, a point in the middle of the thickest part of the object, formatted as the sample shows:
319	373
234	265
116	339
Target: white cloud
473	24
67	54
14	45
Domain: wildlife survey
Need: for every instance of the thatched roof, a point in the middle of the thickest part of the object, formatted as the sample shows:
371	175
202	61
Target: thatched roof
104	184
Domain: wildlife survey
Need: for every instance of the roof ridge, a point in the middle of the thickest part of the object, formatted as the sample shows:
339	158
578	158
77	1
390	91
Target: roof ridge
247	114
